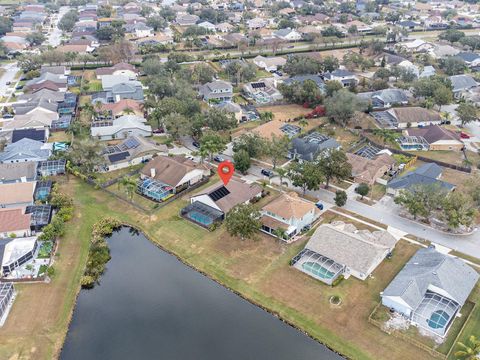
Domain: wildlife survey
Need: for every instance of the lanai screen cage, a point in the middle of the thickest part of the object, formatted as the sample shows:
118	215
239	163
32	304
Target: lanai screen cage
42	190
62	123
413	143
202	214
154	189
435	313
41	215
51	167
318	266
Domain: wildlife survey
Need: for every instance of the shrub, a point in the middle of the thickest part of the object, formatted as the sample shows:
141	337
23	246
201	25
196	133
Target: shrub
337	280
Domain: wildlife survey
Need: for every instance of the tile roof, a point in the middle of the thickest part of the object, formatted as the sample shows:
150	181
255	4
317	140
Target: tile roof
14	220
289	205
17	193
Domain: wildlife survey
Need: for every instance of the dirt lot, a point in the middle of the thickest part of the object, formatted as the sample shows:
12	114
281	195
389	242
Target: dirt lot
285	112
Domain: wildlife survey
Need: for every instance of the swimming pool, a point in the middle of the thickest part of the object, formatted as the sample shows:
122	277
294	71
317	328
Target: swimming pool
317	270
438	319
200	218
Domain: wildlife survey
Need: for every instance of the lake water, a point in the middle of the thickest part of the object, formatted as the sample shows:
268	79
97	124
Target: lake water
151	306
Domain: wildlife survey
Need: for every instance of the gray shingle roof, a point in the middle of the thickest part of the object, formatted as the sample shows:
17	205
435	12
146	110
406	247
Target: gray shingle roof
429	268
462	82
426	174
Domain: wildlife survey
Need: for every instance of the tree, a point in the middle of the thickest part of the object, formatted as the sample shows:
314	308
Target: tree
453	65
458	210
332	86
452	35
240	71
473	42
442	96
36	38
86	154
281	172
468	351
253	143
129	184
202	74
301	64
266	116
177	125
342	106
467	112
333	164
425	87
330	63
362	190
382	73
6	25
277	148
242	161
243	221
212	143
340	198
409	200
217	119
473	189
306	175
157	23
68	21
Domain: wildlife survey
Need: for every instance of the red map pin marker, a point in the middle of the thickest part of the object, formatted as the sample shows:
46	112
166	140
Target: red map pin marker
225	171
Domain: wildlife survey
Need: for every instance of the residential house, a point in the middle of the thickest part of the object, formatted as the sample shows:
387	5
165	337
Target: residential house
287	215
132	151
233	108
384	99
25	150
345	77
256	23
216	90
369	170
430	290
427	174
118	87
164	176
124	69
186	19
36	106
18	172
471	59
427	72
308	148
272	63
15	253
433	138
288	34
79	49
262	91
29	133
60	81
34	120
210	205
406	117
462	84
14	222
224	27
416	46
121	128
14	195
339	249
123	107
207	25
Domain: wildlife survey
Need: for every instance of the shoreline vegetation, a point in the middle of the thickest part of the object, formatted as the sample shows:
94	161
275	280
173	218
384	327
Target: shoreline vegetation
99	252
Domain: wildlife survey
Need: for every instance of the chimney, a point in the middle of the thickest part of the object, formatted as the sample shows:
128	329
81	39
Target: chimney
152	172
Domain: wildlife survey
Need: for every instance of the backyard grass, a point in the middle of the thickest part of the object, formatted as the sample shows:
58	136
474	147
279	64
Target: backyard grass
104	177
285	112
95	86
257	269
451	157
59	136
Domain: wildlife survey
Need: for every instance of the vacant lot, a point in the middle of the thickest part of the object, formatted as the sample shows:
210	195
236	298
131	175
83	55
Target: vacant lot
285	112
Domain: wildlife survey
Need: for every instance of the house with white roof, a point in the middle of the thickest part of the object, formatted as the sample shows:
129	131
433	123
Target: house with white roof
121	128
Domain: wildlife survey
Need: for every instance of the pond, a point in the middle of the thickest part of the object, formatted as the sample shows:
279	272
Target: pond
150	306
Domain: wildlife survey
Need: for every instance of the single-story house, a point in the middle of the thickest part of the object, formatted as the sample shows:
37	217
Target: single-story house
210	205
406	117
26	150
17	194
14	222
287	215
122	68
366	170
121	128
339	249
288	34
120	108
384	99
164	176
427	174
309	77
18	172
132	151
262	91
430	290
432	137
16	252
471	59
271	63
462	84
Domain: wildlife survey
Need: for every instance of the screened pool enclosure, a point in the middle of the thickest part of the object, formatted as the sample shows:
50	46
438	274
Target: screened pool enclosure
317	266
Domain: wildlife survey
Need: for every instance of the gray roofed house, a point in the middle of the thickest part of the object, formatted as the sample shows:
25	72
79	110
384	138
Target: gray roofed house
308	147
16	172
427	174
470	58
461	83
44	105
25	150
345	77
57	70
383	99
302	78
217	90
43	94
57	79
121	128
340	249
430	290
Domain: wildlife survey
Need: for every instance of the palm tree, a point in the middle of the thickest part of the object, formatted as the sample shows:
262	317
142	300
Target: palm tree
281	174
129	183
470	351
128	111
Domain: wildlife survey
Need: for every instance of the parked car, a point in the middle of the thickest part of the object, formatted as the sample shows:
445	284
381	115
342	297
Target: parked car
8	83
158	131
19	87
267	172
464	135
196	144
319	205
218	158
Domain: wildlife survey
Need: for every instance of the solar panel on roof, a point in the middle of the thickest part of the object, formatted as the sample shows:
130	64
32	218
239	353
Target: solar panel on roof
219	193
131	143
258	85
118	157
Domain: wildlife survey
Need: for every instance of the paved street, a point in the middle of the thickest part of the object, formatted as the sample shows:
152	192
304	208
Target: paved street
11	69
54	36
